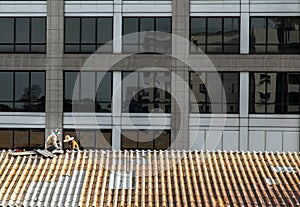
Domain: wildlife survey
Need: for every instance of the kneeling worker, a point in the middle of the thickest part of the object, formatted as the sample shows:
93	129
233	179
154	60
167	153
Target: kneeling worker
52	142
73	145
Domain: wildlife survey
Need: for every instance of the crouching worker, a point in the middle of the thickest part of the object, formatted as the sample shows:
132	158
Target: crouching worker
52	142
73	145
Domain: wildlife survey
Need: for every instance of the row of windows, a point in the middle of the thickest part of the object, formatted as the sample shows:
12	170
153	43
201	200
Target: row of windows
22	138
219	35
87	138
144	92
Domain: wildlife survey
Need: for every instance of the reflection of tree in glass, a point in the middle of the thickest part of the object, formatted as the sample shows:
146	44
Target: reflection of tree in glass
35	96
34	93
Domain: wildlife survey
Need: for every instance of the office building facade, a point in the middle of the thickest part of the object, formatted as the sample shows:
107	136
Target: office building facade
47	50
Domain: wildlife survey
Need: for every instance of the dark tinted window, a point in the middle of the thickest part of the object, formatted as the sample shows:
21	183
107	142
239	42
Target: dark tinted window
147	41
144	92
23	35
275	35
87	91
91	138
22	138
224	101
275	93
22	91
87	34
215	34
148	139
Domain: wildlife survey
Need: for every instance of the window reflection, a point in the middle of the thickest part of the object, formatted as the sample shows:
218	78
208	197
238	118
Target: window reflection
87	91
144	92
22	91
145	139
147	41
274	93
275	35
200	102
91	138
214	34
22	138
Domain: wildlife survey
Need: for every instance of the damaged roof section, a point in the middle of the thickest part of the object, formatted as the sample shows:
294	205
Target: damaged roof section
150	178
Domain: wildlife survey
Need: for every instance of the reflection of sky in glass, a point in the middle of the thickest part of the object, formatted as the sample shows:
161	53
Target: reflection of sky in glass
87	85
104	87
70	79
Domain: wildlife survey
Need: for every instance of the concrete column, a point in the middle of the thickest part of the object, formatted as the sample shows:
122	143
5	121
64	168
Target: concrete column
244	27
244	110
180	106
54	73
116	110
117	22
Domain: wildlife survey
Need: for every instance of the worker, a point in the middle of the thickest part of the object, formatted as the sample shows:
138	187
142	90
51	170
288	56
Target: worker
73	145
52	142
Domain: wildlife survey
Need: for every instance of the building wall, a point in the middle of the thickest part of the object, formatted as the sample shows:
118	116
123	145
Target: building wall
242	131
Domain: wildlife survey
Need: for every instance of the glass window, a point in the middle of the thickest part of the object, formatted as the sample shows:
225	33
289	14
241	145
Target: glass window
274	93
22	86
103	97
37	138
223	101
215	35
87	91
275	35
6	138
87	34
22	30
144	92
23	35
6	34
24	91
104	34
22	138
147	41
6	86
91	138
145	139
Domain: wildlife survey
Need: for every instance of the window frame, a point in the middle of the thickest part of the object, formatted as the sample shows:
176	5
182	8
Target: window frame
154	88
96	44
266	36
252	95
139	28
13	130
30	44
167	131
206	35
95	79
14	101
94	131
207	95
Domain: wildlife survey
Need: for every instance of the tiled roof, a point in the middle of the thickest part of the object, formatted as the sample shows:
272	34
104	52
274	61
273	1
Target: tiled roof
156	178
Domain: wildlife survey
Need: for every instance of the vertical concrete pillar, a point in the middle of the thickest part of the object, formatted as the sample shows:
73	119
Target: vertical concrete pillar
180	113
117	44
244	110
116	110
54	73
244	26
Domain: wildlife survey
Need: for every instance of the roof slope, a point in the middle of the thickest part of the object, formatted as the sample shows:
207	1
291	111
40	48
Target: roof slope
157	178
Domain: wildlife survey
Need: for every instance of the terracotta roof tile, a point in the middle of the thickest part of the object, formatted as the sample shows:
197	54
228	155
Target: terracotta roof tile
151	178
